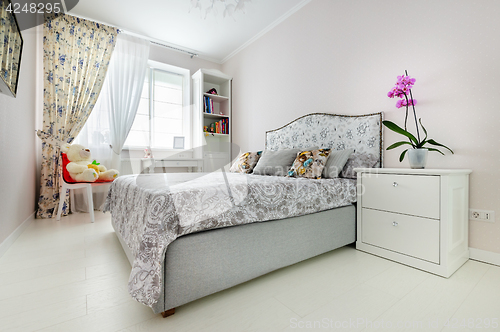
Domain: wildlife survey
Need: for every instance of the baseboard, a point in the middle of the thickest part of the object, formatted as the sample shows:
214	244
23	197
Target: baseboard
5	245
484	256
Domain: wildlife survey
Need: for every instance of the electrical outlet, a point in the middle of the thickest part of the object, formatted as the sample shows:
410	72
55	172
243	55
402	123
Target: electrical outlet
482	215
488	216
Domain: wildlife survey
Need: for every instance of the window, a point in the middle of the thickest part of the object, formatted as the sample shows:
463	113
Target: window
164	110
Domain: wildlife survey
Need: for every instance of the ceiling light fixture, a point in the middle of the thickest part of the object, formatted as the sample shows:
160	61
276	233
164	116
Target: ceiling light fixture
212	7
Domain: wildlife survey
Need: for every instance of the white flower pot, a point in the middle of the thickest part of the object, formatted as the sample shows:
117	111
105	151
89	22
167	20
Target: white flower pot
418	157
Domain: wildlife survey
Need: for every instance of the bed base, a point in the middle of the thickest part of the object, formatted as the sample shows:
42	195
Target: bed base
205	263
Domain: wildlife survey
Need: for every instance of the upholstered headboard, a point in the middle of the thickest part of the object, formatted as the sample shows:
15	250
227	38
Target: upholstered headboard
363	133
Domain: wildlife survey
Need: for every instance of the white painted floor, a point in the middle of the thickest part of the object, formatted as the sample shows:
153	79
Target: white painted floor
72	275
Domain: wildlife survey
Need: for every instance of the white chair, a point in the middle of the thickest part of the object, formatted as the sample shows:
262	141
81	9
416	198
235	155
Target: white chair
73	186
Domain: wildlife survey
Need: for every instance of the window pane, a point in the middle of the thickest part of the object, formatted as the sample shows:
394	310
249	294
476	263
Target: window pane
137	138
166	110
168	80
163	140
141	123
145	89
167	113
172	126
168	95
143	107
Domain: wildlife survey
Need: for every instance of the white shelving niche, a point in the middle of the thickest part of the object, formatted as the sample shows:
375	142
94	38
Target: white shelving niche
213	148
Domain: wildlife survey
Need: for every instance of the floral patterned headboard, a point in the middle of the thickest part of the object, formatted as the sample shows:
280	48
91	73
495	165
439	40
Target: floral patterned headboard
363	133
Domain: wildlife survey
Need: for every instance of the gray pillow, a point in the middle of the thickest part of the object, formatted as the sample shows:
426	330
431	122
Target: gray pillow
277	162
335	163
358	160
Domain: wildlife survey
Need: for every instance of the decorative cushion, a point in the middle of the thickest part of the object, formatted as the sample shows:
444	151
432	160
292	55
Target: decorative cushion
362	160
309	164
336	162
246	162
276	162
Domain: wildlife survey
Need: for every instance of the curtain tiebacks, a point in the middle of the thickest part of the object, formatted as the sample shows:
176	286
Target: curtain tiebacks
50	139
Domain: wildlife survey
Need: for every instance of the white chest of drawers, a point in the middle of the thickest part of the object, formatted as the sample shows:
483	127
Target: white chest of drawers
417	217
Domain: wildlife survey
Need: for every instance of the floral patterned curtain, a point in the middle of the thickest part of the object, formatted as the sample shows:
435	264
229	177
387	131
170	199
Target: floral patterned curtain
76	57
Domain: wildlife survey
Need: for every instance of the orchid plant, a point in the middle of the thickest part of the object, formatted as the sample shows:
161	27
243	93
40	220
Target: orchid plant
402	90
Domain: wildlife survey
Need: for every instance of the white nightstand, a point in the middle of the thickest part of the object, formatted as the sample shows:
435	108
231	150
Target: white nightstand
418	217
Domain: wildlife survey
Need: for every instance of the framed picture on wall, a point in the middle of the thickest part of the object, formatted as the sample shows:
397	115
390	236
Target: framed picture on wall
11	46
178	142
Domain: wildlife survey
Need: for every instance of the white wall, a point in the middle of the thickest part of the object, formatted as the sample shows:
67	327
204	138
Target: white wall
343	57
18	184
178	59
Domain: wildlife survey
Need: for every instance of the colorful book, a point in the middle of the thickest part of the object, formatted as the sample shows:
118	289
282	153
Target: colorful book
219	127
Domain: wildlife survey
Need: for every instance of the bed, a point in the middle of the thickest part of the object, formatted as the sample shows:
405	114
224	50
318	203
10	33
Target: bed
209	232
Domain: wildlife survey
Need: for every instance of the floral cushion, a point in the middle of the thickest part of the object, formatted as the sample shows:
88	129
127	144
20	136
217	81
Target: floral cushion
246	162
358	160
309	164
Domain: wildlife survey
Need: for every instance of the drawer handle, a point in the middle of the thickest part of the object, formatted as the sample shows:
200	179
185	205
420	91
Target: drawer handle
395	184
394	224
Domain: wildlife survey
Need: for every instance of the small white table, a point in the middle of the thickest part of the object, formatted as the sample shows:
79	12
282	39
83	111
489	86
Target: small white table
190	163
418	217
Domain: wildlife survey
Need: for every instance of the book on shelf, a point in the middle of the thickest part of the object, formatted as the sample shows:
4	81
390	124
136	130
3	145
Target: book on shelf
208	104
219	127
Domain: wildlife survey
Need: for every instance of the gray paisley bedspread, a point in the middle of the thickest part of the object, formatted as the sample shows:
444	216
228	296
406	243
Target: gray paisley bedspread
152	210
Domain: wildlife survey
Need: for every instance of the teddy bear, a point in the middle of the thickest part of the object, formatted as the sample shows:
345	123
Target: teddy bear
82	169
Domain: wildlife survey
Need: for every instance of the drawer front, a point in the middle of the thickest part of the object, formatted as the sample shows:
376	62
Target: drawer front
216	155
412	236
417	195
178	163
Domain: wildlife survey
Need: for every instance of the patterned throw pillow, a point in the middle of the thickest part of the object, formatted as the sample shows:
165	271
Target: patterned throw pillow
246	162
358	160
309	164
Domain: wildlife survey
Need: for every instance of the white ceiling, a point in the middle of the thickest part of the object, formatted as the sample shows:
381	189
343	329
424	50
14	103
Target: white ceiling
169	21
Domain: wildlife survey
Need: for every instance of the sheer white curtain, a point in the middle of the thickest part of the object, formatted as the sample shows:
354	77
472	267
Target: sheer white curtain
125	81
109	123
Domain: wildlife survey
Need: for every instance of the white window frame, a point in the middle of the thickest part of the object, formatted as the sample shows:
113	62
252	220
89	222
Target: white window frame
186	104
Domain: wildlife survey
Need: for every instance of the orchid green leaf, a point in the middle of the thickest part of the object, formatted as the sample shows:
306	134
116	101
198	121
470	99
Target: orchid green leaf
394	127
433	142
402	156
436	150
395	145
425	131
421	144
